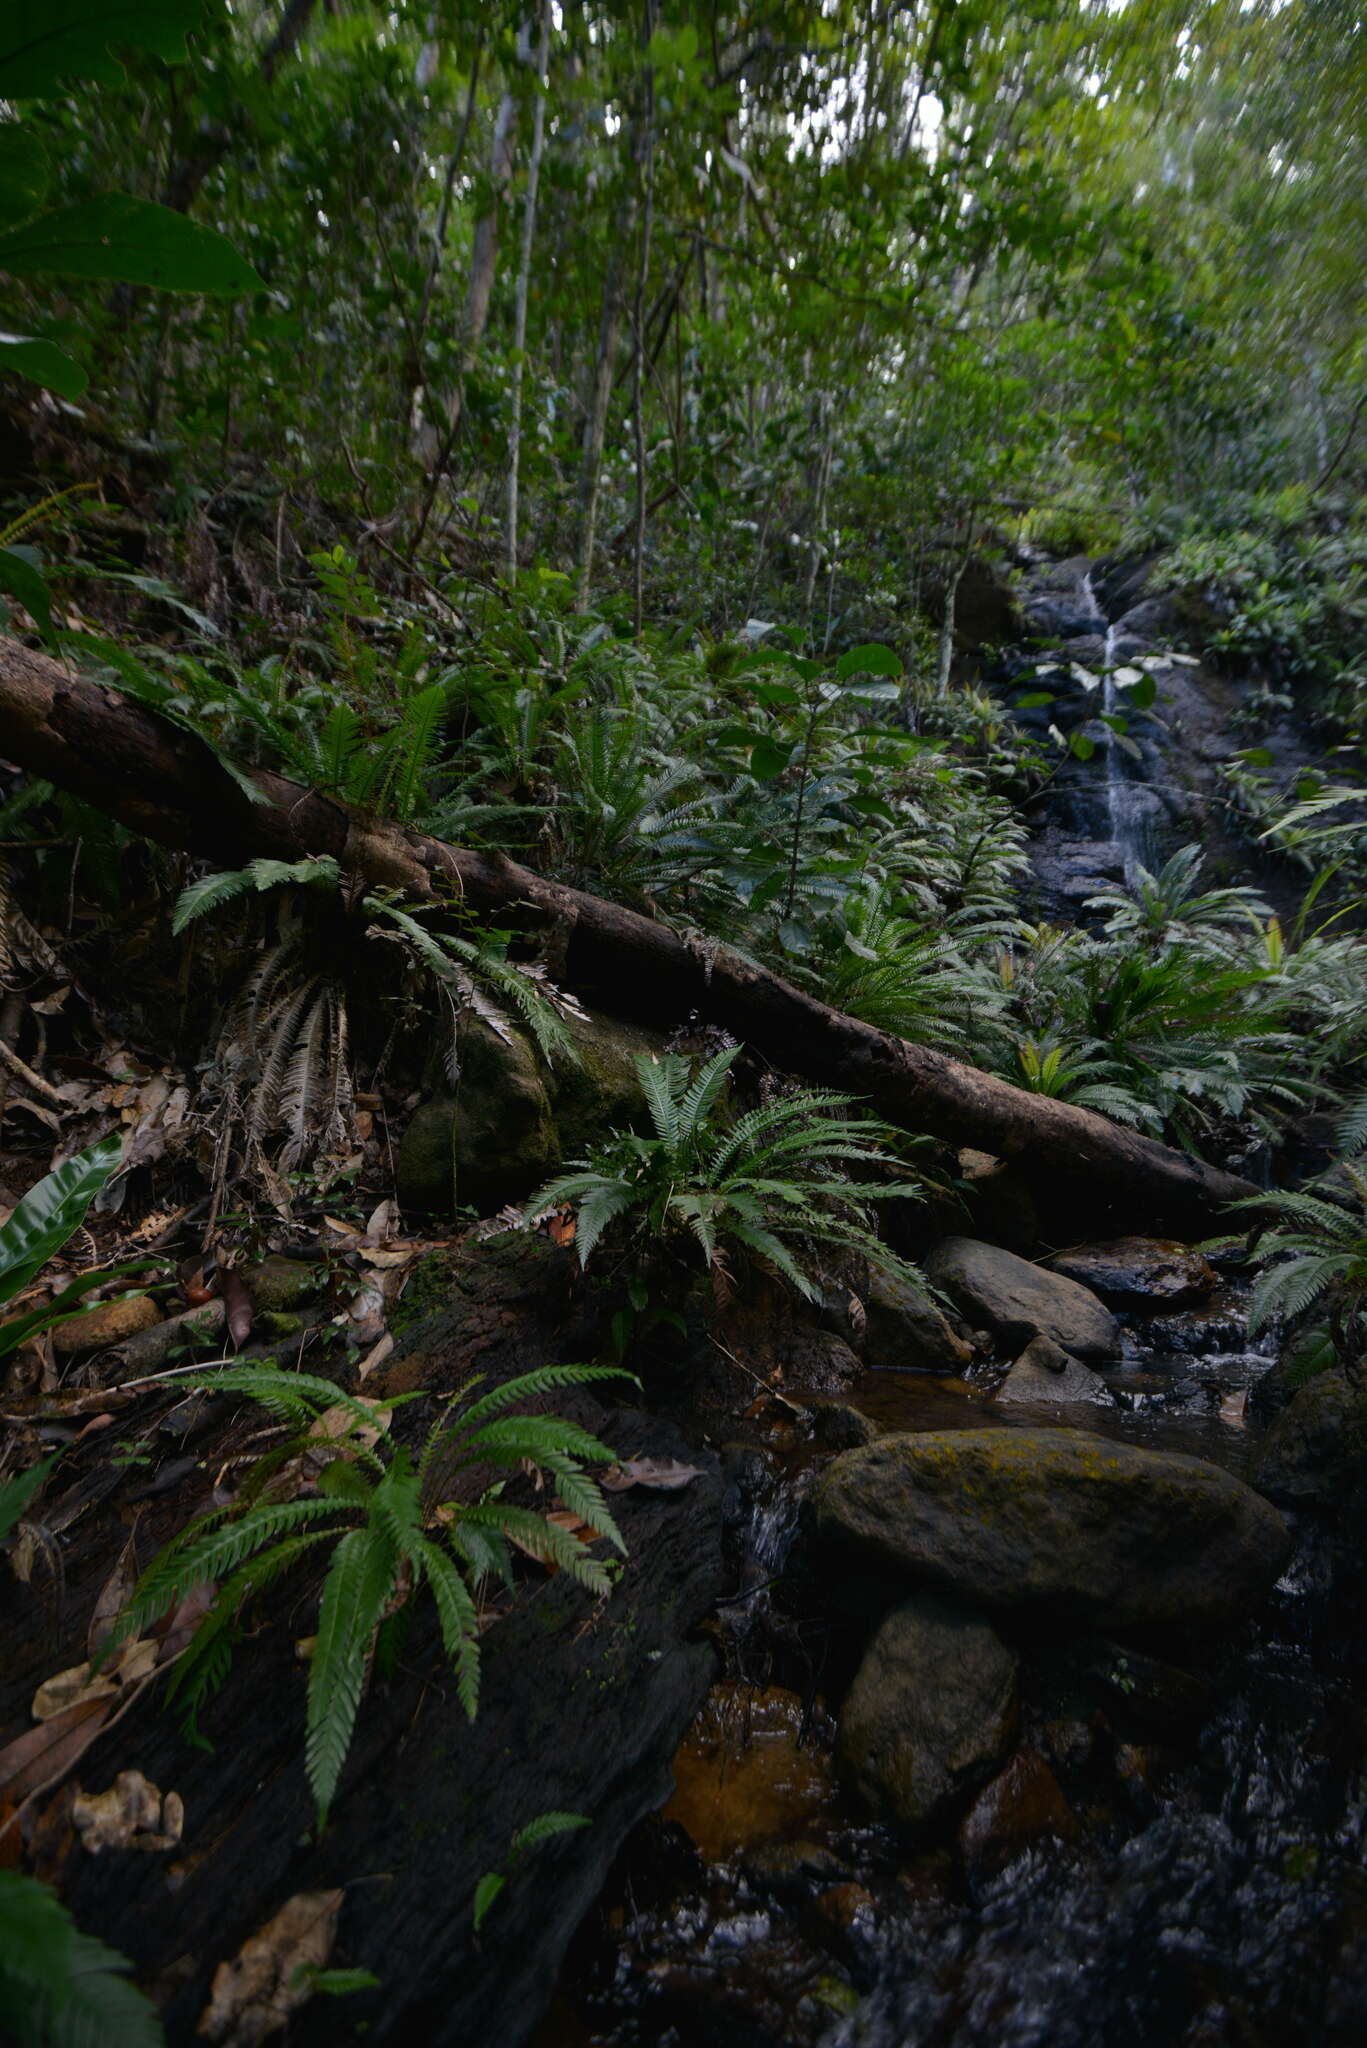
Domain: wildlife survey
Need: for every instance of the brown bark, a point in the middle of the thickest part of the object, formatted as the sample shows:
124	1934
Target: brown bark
162	781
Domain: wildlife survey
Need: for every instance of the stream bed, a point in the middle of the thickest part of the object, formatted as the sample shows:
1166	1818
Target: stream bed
1177	1852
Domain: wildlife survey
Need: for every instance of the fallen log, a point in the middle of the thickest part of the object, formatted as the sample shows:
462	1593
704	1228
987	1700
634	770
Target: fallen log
161	780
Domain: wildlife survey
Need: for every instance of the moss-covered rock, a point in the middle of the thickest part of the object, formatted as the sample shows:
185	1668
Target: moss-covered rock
492	1140
1058	1520
931	1712
1316	1450
602	1092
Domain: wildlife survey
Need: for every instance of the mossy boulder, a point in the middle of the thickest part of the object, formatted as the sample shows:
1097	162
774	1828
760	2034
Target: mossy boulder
931	1712
492	1139
1316	1450
601	1092
1057	1520
511	1119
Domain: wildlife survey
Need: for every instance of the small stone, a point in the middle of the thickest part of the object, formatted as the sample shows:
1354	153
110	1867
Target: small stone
1022	1807
280	1284
111	1323
838	1427
1044	1373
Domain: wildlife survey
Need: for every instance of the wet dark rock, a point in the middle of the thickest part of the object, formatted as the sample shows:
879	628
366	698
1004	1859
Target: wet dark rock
1139	1272
838	1427
1019	1301
1020	1809
1167	1698
793	1869
1074	1525
1217	1324
1044	1373
930	1713
1304	1357
905	1332
986	613
601	1091
1316	1450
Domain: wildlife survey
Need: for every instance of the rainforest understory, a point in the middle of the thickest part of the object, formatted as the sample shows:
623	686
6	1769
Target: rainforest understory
683	1024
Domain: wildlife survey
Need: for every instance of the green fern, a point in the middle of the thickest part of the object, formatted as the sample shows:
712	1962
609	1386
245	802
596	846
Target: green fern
1314	1250
777	1182
60	1988
376	1509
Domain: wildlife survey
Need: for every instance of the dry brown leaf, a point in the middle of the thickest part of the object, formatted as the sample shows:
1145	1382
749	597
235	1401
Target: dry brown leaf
573	1525
335	1423
664	1475
68	1688
175	1629
113	1595
253	1996
40	1755
238	1303
375	1357
384	1221
132	1814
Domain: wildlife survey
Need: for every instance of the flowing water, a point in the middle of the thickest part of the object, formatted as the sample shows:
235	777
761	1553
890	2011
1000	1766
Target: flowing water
1128	801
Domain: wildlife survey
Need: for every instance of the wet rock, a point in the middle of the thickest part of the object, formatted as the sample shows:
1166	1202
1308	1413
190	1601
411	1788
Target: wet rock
1304	1357
749	1770
112	1322
1019	1809
1168	1699
1139	1272
1046	1373
793	1869
1316	1450
838	1427
1001	1200
931	1712
1019	1301
905	1332
1145	1772
1058	1520
985	610
279	1283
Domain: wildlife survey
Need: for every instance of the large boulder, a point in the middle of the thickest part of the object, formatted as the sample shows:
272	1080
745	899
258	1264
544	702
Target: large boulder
1058	1520
600	1090
905	1332
1316	1450
930	1714
1018	1301
491	1142
1139	1272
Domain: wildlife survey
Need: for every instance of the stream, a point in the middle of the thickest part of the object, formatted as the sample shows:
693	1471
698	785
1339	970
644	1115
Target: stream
1197	1874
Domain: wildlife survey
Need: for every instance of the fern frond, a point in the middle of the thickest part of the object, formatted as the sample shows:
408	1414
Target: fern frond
360	1581
543	1540
457	1617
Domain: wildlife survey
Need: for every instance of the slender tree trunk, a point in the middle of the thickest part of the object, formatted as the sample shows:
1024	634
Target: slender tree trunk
216	139
524	277
946	651
596	415
646	157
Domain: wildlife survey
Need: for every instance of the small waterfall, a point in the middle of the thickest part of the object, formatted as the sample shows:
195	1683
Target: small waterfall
1127	811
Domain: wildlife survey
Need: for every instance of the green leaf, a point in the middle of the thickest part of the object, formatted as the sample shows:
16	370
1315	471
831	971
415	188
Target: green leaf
39	47
19	578
23	174
42	362
48	1214
873	659
486	1891
1143	693
15	1494
1032	699
132	240
769	758
60	1988
1082	746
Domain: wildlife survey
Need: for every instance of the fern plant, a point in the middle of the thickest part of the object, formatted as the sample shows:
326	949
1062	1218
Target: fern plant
391	1524
1315	1251
60	1988
776	1183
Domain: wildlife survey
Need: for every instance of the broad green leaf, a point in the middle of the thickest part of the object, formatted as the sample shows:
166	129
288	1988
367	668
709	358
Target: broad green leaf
19	577
131	240
1083	747
48	1214
1143	693
41	46
15	1494
769	758
23	174
872	659
42	362
486	1891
